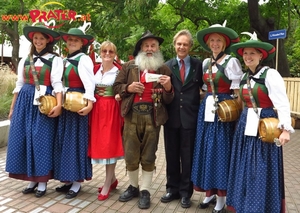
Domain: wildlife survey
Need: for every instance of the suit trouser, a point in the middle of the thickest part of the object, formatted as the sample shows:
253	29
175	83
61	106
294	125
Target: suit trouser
179	148
140	137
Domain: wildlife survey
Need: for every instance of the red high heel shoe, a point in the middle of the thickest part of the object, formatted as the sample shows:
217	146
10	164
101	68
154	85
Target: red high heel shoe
103	197
112	186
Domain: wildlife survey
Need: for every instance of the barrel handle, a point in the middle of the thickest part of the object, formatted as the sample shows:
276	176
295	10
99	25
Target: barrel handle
277	142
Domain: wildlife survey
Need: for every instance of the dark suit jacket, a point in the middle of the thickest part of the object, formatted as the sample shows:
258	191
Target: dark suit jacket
183	110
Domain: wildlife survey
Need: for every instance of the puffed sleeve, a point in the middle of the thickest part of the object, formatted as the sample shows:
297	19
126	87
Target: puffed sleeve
234	72
86	74
277	93
56	74
20	80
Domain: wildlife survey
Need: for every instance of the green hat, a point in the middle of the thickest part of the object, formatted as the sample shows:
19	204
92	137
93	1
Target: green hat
29	31
267	49
145	36
229	34
87	39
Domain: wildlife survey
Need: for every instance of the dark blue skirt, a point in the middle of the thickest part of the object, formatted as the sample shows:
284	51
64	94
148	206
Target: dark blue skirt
71	161
31	139
256	182
212	151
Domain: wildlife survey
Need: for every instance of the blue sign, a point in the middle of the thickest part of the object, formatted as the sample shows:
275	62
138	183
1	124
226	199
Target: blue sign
277	34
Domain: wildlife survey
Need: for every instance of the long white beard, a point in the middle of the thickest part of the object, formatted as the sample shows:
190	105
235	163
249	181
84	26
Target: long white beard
149	62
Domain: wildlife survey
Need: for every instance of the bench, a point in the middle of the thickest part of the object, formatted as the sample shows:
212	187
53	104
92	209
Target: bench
293	92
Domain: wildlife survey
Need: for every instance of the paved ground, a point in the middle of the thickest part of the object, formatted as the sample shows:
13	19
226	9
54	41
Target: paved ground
12	200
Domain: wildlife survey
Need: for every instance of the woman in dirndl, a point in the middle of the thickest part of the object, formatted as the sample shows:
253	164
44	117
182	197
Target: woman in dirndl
71	162
256	181
32	134
105	145
221	75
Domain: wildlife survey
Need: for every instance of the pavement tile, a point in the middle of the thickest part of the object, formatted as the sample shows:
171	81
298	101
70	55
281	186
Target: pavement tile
12	199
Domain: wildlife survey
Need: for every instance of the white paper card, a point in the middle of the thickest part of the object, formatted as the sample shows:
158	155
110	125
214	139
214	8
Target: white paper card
209	116
150	77
37	94
252	122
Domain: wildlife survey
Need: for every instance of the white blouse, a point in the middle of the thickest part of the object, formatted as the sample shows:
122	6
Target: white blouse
108	78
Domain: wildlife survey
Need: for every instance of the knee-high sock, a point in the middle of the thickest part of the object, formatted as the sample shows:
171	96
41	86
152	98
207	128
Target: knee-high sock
134	178
146	180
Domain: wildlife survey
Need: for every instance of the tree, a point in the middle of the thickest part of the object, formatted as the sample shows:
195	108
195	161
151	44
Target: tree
124	21
10	28
262	26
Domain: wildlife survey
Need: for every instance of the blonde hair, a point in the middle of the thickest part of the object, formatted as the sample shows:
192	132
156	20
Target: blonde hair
108	44
221	37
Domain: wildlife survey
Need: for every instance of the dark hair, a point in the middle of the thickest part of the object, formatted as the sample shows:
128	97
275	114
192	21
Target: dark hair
84	49
49	46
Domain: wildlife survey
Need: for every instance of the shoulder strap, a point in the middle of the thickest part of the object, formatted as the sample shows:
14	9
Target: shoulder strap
220	67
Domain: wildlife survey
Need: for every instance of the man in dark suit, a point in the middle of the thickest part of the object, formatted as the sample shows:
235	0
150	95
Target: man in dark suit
180	128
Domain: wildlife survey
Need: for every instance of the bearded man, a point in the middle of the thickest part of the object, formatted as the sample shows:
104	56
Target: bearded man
144	111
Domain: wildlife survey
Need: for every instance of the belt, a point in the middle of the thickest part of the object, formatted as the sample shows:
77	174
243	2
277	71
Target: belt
104	91
142	108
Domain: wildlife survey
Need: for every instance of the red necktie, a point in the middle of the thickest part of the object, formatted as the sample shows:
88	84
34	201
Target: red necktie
182	70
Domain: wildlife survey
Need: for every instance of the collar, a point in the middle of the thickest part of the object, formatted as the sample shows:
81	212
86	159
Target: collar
186	59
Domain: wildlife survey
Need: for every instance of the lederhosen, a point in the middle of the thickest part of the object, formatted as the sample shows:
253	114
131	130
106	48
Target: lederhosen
141	135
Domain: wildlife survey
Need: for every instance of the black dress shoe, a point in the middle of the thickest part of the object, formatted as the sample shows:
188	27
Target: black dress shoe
39	193
63	188
206	205
223	210
29	190
185	202
168	197
144	201
130	193
71	194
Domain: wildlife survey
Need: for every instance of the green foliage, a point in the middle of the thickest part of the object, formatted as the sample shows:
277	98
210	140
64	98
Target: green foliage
293	49
5	102
7	84
123	21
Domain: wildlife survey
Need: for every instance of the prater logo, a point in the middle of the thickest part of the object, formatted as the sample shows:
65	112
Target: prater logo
43	15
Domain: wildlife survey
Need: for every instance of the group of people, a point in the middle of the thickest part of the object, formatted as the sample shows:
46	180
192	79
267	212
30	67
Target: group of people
64	143
126	107
229	161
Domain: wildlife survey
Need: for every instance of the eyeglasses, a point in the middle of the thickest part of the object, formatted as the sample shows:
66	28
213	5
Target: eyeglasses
107	51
